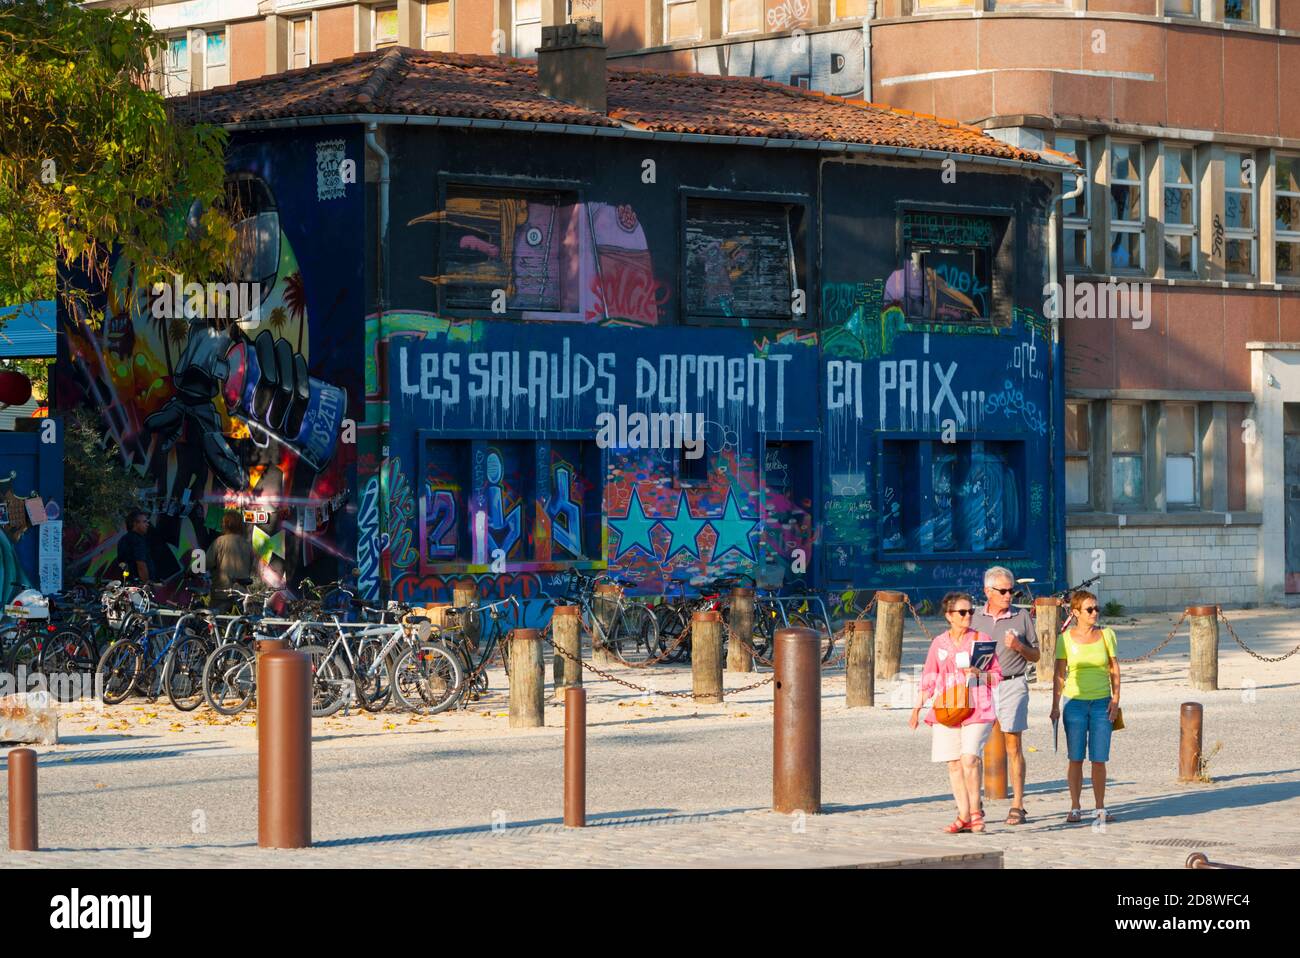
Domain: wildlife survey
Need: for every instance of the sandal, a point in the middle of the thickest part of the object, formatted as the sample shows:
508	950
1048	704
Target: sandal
1016	816
1075	817
1104	816
960	825
977	822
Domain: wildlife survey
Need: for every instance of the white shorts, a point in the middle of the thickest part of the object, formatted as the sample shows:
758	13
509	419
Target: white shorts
950	744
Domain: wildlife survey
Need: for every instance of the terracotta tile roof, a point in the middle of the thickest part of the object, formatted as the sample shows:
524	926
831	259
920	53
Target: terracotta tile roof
402	81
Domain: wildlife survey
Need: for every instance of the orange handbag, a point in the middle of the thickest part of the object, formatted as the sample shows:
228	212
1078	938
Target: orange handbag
953	705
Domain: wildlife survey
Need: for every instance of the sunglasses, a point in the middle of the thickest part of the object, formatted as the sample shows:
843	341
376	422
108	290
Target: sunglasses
960	612
1089	609
1001	591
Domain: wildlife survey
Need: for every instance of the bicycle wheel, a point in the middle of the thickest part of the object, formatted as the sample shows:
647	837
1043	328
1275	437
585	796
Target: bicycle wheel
670	623
183	672
634	637
229	678
118	669
374	678
328	683
68	661
427	679
25	654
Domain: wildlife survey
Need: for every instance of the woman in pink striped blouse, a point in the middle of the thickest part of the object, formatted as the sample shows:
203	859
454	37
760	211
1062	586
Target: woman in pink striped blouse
948	663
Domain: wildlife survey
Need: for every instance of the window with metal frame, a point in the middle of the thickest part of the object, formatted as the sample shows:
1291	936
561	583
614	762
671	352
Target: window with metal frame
1180	210
383	27
435	25
1076	213
1287	218
947	269
681	20
528	27
742	16
299	43
1078	454
176	66
1241	227
1127	206
849	9
1127	453
1240	11
1182	458
1182	8
744	261
216	66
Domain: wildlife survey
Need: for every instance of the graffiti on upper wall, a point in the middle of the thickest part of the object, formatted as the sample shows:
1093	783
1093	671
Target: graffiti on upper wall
545	255
233	410
829	61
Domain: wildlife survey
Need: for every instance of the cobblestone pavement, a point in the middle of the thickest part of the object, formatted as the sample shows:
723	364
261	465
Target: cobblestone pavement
675	785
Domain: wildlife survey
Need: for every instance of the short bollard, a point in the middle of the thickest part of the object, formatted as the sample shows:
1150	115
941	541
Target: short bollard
797	723
527	679
22	800
604	606
464	593
1047	623
860	664
706	657
1203	669
567	636
741	623
889	633
1190	717
575	757
995	764
284	750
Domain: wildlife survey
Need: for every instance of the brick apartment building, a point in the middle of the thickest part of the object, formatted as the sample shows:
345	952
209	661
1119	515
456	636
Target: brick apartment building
1183	440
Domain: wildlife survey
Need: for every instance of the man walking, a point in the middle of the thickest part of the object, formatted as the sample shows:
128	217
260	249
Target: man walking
1017	641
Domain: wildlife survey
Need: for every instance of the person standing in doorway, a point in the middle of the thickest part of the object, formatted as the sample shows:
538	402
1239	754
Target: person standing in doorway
1017	640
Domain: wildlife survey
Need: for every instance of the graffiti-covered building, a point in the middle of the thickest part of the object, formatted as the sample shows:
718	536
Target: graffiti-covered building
669	325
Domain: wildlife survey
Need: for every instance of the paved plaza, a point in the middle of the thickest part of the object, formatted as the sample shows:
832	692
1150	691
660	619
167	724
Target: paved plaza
672	784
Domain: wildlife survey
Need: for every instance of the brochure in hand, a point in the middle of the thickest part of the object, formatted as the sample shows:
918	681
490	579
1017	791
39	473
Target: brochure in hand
981	655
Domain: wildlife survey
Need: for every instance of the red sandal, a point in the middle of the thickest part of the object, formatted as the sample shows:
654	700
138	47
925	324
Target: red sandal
977	821
960	825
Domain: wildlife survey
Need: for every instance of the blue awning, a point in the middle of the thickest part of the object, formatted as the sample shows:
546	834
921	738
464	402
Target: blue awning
27	331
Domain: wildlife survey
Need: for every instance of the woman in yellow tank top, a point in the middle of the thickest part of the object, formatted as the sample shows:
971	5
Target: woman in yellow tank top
1087	675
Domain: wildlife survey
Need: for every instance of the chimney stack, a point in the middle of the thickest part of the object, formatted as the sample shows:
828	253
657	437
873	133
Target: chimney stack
571	64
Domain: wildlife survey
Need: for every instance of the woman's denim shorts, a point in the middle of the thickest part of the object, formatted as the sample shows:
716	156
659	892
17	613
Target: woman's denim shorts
1087	727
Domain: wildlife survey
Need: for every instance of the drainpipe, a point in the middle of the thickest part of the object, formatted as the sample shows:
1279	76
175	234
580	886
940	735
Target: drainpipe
381	305
1058	365
866	51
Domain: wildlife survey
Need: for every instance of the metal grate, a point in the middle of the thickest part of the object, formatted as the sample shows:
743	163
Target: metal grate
1192	843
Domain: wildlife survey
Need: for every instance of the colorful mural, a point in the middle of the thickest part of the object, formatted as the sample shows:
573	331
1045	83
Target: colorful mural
230	407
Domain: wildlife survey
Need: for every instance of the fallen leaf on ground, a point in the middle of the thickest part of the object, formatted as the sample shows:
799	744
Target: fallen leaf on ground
740	715
100	785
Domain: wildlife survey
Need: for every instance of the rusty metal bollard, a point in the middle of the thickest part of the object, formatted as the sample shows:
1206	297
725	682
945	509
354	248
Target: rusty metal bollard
889	633
1190	718
284	750
741	621
566	633
995	763
22	800
1203	666
527	679
860	664
706	657
797	723
575	757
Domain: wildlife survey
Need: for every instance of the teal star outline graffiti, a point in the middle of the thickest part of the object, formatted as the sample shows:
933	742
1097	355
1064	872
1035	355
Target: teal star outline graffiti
679	527
634	528
733	529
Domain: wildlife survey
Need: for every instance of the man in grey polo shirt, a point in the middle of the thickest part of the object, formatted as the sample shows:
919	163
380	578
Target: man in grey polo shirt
1013	630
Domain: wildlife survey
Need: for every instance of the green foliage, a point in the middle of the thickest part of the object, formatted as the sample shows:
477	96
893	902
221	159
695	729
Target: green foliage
1112	609
926	608
91	160
97	489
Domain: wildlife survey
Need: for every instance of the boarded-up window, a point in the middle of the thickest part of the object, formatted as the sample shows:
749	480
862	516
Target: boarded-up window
743	260
509	250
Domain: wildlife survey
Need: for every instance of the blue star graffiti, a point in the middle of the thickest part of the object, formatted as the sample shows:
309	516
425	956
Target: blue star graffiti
733	529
